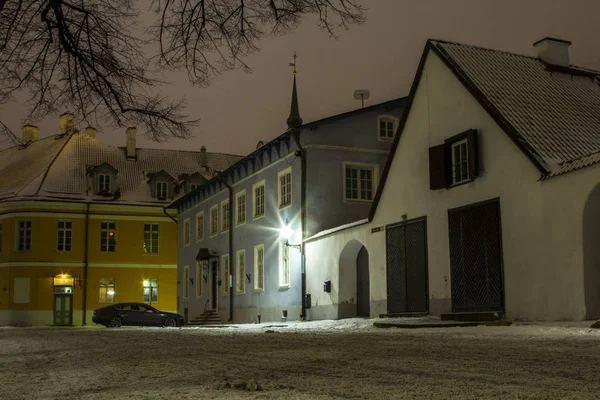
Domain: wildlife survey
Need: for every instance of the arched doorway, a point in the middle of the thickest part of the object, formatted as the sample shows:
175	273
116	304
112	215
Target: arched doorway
591	254
354	281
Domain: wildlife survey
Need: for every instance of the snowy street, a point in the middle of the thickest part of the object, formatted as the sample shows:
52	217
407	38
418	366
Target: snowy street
347	359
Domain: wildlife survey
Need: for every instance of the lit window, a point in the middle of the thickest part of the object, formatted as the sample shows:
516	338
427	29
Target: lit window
284	265
107	237
151	290
186	282
460	162
359	183
162	190
64	236
106	290
186	232
259	268
103	183
259	199
225	216
151	238
24	236
240	208
214	220
199	226
225	268
199	279
285	188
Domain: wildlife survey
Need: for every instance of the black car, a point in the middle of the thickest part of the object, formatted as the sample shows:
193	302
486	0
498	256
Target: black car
139	314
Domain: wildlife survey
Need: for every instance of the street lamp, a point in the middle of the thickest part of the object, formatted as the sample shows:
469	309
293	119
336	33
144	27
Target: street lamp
286	233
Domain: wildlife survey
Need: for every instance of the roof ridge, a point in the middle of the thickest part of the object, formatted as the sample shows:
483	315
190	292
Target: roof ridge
17	146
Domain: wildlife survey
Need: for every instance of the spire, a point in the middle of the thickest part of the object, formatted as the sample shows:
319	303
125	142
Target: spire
294	119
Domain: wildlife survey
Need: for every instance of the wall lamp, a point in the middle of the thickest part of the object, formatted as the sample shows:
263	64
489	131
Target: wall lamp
286	233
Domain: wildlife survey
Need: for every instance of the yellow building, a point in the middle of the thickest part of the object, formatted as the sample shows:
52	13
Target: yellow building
83	224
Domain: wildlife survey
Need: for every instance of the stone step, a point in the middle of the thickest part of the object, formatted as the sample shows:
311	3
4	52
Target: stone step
404	315
474	316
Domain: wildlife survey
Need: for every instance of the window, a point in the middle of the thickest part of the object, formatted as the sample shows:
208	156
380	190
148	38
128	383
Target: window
162	190
387	126
259	200
24	235
460	162
200	226
226	274
151	238
214	220
284	265
285	188
186	232
240	199
240	286
0	237
65	236
199	281
103	183
106	290
186	282
225	216
259	268
359	185
194	186
151	290
107	237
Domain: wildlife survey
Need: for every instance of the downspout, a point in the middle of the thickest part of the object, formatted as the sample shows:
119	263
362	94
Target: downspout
86	263
231	270
302	151
169	215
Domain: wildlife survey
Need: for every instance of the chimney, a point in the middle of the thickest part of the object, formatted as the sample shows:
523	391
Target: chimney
67	123
30	134
203	161
90	132
553	51
130	150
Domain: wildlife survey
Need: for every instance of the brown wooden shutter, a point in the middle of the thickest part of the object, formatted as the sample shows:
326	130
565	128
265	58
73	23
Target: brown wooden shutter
473	153
437	167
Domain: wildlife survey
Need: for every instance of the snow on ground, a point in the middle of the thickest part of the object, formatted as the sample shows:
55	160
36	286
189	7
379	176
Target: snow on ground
348	359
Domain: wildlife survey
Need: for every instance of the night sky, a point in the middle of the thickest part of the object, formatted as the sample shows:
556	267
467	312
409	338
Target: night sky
240	109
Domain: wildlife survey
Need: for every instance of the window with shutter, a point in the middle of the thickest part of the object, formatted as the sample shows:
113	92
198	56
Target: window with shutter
455	162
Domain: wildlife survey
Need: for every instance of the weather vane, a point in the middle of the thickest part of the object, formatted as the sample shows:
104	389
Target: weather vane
294	63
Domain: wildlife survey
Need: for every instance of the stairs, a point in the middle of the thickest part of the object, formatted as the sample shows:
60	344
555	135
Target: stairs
208	318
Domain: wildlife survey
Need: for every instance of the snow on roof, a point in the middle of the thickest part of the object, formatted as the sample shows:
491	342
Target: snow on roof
337	229
556	112
56	167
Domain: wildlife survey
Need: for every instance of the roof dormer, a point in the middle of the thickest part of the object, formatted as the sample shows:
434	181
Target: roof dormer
191	182
162	185
103	179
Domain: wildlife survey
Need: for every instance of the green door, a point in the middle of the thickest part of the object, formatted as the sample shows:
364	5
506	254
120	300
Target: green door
63	310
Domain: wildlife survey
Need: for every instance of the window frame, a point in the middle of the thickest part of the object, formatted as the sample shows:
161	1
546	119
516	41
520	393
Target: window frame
200	226
259	266
151	231
27	231
374	168
166	189
257	185
225	227
214	233
281	173
239	195
107	283
185	289
144	287
109	238
64	230
284	255
469	136
186	232
387	118
461	143
240	269
108	186
225	267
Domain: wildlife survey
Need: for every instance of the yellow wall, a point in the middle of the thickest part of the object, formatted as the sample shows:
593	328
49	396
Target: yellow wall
128	265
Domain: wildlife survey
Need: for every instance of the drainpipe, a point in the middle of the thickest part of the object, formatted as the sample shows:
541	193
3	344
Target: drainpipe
302	155
85	260
169	215
231	267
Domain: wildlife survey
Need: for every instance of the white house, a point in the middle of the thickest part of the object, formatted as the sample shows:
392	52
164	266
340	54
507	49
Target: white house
490	198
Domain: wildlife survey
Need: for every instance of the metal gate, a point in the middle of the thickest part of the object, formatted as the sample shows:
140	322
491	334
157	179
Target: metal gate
406	248
476	257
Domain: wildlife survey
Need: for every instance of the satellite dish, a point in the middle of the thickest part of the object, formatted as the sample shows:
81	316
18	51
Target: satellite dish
362	95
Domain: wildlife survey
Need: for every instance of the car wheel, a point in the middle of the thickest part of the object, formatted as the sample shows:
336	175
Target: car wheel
170	322
115	322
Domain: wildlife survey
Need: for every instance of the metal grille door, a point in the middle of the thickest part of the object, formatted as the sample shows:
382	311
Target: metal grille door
407	268
476	258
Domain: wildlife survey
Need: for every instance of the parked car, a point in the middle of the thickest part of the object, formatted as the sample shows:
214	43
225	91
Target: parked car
139	314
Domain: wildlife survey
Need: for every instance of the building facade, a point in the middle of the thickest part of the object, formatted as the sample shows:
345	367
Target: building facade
83	225
240	250
490	199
